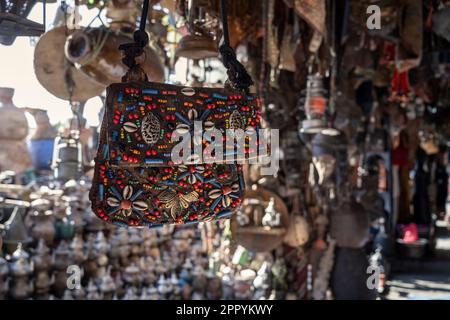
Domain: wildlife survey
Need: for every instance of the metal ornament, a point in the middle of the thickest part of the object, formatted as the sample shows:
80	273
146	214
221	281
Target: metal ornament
315	107
67	158
94	52
52	69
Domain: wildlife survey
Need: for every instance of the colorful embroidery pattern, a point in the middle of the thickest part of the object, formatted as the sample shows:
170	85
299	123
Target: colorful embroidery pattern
139	196
145	117
135	183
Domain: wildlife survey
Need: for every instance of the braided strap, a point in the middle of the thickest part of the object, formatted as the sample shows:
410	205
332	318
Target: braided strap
237	74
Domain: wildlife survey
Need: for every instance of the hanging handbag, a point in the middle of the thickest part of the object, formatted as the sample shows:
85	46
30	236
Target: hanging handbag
135	181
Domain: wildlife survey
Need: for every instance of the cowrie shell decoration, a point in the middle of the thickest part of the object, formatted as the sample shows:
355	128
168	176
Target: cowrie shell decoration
188	92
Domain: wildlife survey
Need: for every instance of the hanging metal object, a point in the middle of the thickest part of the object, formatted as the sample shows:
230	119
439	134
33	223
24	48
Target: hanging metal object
14	22
298	232
12	224
94	52
201	42
67	157
122	14
329	152
53	70
196	47
315	106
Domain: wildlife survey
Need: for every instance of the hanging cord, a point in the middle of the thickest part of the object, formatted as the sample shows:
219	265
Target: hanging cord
136	49
237	75
68	78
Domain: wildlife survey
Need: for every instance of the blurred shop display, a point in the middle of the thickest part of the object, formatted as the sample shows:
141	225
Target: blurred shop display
362	121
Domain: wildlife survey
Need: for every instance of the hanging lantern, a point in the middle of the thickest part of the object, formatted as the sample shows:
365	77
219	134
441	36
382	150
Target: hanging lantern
67	158
13	21
315	106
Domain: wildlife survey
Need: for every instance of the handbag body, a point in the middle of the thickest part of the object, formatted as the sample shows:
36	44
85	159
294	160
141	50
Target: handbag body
136	183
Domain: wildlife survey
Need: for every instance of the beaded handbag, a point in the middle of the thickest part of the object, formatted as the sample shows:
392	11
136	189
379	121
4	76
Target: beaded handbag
136	181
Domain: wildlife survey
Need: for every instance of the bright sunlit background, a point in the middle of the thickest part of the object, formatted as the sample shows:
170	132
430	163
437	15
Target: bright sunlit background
16	70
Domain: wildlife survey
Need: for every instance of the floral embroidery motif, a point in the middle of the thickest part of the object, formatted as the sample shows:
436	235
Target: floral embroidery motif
224	193
126	202
194	173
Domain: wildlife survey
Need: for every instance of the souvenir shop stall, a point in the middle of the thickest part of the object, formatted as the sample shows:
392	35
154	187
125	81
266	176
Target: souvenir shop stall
354	96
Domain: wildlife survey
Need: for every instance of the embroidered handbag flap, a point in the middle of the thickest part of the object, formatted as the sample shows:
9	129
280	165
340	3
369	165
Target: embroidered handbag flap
142	116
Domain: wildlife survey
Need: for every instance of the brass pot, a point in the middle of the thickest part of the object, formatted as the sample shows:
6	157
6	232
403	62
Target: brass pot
96	53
